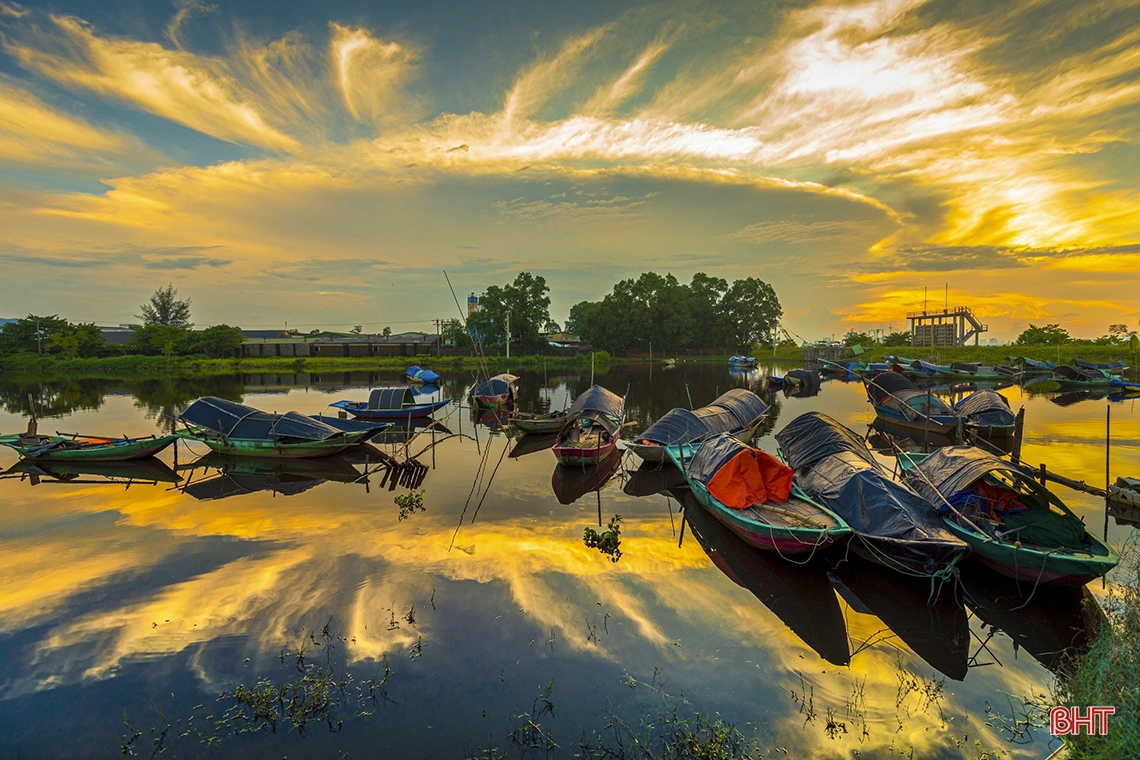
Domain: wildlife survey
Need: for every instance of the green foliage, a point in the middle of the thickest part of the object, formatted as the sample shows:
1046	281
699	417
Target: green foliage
216	342
1049	335
410	503
660	312
858	339
159	340
895	339
525	301
54	335
608	541
165	308
453	330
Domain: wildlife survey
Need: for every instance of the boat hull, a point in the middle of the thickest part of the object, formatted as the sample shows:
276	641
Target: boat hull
537	425
492	402
418	411
579	457
1031	566
110	452
938	423
273	450
773	538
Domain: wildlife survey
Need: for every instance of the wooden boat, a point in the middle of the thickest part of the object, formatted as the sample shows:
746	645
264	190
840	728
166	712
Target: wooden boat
901	403
737	412
370	428
742	362
827	367
72	447
976	372
895	527
1014	524
239	430
986	413
500	390
798	594
397	403
593	426
787	521
538	423
1070	376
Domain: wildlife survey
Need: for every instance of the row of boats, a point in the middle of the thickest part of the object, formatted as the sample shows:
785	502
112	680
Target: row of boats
1075	374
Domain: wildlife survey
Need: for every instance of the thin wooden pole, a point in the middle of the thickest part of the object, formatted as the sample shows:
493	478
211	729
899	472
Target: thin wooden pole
1107	460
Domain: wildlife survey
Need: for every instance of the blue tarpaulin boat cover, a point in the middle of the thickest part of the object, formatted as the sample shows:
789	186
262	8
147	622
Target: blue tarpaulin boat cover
885	385
496	386
1080	374
598	404
955	468
415	372
732	412
986	408
239	421
712	455
1093	365
834	466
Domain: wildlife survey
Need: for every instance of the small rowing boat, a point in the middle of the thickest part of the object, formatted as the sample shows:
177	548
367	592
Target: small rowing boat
593	426
396	403
500	390
239	430
538	423
737	412
72	447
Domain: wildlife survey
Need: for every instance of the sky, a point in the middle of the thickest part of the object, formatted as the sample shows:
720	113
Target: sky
322	165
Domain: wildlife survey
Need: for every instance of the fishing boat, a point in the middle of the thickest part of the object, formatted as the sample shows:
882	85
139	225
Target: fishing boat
72	447
1113	369
1124	388
752	493
420	376
974	372
1072	376
1014	524
500	390
986	413
240	430
370	428
737	412
592	428
827	367
742	362
798	594
893	525
1023	366
396	403
526	422
801	383
900	402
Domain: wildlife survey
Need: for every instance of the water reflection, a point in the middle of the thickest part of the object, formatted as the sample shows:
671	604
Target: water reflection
217	476
149	470
571	483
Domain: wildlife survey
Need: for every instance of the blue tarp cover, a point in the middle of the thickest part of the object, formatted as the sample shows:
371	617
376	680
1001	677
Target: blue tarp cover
496	386
1093	365
896	391
235	420
986	408
415	372
812	436
955	468
1085	374
390	398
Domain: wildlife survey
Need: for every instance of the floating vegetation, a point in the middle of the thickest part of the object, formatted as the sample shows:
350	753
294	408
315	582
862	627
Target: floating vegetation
608	541
319	691
410	503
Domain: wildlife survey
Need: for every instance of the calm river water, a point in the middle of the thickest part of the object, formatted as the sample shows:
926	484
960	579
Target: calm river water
482	621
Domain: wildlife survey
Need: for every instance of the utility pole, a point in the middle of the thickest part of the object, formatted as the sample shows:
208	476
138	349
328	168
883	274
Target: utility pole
508	335
39	339
438	337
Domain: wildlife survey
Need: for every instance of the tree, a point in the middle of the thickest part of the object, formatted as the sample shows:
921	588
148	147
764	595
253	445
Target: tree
525	301
160	340
357	329
1049	335
752	310
166	309
51	335
857	339
551	327
217	342
900	338
386	332
1118	332
453	332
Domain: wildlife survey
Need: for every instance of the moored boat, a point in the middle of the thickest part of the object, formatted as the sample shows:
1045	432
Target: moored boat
500	390
551	422
419	375
1014	524
987	413
240	430
742	362
592	428
1072	376
737	412
396	403
895	527
752	493
900	402
85	448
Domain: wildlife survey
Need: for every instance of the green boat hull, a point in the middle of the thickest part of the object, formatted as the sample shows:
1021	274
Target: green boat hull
114	451
1035	566
274	450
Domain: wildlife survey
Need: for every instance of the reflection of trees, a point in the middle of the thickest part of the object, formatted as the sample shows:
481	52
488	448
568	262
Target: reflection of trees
54	399
165	398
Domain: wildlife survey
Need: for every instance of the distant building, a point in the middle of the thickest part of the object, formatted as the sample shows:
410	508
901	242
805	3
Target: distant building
119	335
281	343
948	327
562	339
472	304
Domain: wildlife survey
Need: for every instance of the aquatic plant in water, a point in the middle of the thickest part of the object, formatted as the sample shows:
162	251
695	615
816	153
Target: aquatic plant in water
608	541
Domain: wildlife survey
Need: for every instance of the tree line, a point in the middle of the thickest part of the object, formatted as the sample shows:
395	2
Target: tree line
651	310
166	331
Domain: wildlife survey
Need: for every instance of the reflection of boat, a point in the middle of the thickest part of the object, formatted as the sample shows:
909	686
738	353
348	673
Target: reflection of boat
84	448
801	383
737	412
752	493
532	442
650	479
490	417
551	422
1076	397
936	629
574	482
497	391
288	477
1053	623
593	426
402	432
799	595
901	403
241	430
1012	523
893	524
397	403
144	470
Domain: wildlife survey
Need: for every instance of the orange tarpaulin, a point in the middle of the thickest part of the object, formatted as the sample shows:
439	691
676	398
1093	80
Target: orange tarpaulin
751	477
